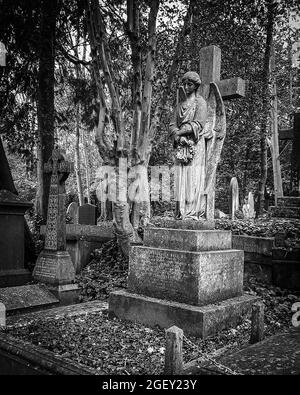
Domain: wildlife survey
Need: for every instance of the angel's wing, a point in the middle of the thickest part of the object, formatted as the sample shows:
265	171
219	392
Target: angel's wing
216	127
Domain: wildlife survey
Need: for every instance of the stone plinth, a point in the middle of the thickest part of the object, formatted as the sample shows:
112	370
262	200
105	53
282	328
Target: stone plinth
188	278
200	321
196	278
189	240
54	267
190	224
12	210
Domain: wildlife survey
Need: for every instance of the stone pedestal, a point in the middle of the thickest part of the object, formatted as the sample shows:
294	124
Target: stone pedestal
189	278
12	210
55	268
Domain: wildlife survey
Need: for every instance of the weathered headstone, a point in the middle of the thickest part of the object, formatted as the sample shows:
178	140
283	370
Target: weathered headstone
2	315
294	135
27	297
245	208
54	265
251	205
233	197
12	210
87	214
72	212
3	53
248	207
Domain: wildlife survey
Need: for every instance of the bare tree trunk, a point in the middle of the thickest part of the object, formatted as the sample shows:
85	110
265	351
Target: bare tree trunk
266	107
109	153
274	140
86	165
142	98
133	32
77	157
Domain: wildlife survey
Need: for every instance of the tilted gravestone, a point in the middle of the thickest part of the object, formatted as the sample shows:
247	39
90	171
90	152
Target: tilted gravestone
87	214
54	265
72	212
233	197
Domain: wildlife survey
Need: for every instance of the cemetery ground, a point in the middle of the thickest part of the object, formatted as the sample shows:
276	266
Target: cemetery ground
112	346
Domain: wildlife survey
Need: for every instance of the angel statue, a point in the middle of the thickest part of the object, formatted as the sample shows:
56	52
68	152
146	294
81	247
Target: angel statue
198	128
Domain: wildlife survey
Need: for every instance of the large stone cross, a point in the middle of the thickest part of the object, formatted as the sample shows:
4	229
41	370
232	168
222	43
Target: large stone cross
294	135
210	71
56	220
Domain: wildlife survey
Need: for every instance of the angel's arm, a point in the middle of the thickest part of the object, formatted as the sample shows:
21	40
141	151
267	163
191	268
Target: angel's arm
173	128
196	126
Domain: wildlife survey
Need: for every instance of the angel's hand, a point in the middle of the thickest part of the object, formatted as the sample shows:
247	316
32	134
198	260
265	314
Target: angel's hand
183	140
185	129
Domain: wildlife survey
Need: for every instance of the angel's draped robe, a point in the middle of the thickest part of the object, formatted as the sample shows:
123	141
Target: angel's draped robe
190	179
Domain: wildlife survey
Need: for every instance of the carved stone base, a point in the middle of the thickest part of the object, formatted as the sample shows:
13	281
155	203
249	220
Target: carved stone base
54	267
67	294
199	321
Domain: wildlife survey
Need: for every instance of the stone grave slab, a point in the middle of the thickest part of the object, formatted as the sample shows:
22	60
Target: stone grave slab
27	297
276	355
87	214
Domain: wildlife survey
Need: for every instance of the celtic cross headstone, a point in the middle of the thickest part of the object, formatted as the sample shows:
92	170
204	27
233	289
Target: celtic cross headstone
54	265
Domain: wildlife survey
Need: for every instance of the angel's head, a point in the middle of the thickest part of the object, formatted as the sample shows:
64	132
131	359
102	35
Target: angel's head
190	82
